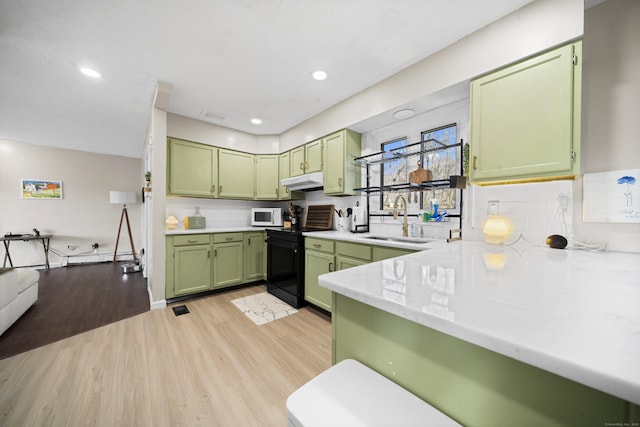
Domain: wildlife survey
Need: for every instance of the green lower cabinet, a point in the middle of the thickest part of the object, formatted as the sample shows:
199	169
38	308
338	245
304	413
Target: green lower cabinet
227	264
254	256
317	263
188	265
380	253
323	256
343	262
202	262
472	385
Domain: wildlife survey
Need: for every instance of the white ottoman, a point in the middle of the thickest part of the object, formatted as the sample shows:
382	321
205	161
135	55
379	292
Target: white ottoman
350	394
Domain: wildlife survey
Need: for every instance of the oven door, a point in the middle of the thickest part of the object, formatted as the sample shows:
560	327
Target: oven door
285	268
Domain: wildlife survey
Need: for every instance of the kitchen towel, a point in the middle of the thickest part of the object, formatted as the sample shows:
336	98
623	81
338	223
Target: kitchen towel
263	308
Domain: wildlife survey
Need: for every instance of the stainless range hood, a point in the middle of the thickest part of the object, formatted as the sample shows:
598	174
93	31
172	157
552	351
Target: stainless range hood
307	182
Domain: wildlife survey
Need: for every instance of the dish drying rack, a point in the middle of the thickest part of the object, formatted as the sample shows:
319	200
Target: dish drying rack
414	149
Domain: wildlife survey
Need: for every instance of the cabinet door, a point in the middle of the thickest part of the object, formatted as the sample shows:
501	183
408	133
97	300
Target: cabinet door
254	255
380	252
235	175
343	262
313	156
284	171
341	175
192	269
317	263
227	264
192	168
334	153
523	121
267	177
297	166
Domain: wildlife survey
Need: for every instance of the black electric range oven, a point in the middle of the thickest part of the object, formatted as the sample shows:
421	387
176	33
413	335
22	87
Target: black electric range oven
285	264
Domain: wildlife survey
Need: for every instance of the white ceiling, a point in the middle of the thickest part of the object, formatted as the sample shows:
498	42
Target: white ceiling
232	59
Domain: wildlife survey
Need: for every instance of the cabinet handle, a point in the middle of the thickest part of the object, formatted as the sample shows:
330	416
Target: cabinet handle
287	190
301	165
339	182
228	239
213	189
277	192
192	240
306	165
219	189
209	254
475	160
331	266
316	245
215	253
249	241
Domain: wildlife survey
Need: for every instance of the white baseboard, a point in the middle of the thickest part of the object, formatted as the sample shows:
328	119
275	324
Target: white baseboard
154	305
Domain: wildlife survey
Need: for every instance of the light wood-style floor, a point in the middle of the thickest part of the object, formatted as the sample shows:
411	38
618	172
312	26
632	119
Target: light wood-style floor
212	367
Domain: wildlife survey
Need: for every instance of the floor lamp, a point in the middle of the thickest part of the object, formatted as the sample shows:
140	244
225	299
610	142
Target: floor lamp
122	198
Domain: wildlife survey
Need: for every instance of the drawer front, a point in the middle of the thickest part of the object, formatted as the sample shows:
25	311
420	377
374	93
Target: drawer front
318	244
191	239
228	237
354	250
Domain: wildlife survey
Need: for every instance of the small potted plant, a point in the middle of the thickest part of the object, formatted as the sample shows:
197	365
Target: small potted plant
147	178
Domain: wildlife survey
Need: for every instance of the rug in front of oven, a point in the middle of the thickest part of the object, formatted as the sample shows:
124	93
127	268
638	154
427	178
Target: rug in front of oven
263	308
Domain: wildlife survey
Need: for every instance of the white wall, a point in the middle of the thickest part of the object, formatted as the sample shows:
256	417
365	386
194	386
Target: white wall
207	133
610	110
535	27
84	216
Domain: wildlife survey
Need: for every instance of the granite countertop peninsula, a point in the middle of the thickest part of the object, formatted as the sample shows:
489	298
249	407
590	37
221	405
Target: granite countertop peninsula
573	313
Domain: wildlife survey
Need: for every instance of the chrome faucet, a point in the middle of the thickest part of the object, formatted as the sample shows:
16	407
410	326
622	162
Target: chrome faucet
405	223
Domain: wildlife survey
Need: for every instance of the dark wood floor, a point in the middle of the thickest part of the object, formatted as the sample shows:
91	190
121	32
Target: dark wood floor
76	299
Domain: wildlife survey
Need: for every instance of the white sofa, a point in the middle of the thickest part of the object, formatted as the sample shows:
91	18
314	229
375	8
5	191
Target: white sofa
18	292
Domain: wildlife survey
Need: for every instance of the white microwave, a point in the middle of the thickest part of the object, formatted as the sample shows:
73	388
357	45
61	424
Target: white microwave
266	217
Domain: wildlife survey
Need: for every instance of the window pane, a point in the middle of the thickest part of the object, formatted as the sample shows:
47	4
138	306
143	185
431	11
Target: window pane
442	165
394	171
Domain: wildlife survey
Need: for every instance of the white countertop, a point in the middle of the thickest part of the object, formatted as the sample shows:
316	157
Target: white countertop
573	313
181	230
366	239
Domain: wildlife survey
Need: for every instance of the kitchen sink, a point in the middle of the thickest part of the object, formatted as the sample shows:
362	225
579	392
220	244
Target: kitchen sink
416	240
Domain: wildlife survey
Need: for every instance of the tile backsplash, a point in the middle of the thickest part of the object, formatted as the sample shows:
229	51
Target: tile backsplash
535	210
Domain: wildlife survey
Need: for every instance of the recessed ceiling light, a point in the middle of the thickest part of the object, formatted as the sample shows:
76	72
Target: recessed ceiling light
90	72
404	114
256	121
319	75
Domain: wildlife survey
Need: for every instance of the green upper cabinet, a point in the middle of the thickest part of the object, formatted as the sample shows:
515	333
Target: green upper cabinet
284	172
306	158
525	119
341	175
267	177
235	175
313	154
296	166
192	169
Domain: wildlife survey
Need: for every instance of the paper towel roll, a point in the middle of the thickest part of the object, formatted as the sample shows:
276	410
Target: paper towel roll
359	217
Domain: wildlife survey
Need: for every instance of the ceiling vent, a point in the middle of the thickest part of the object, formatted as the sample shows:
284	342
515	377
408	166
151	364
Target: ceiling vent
211	117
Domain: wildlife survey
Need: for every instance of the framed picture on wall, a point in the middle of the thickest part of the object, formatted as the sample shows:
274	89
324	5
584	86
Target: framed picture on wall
41	189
